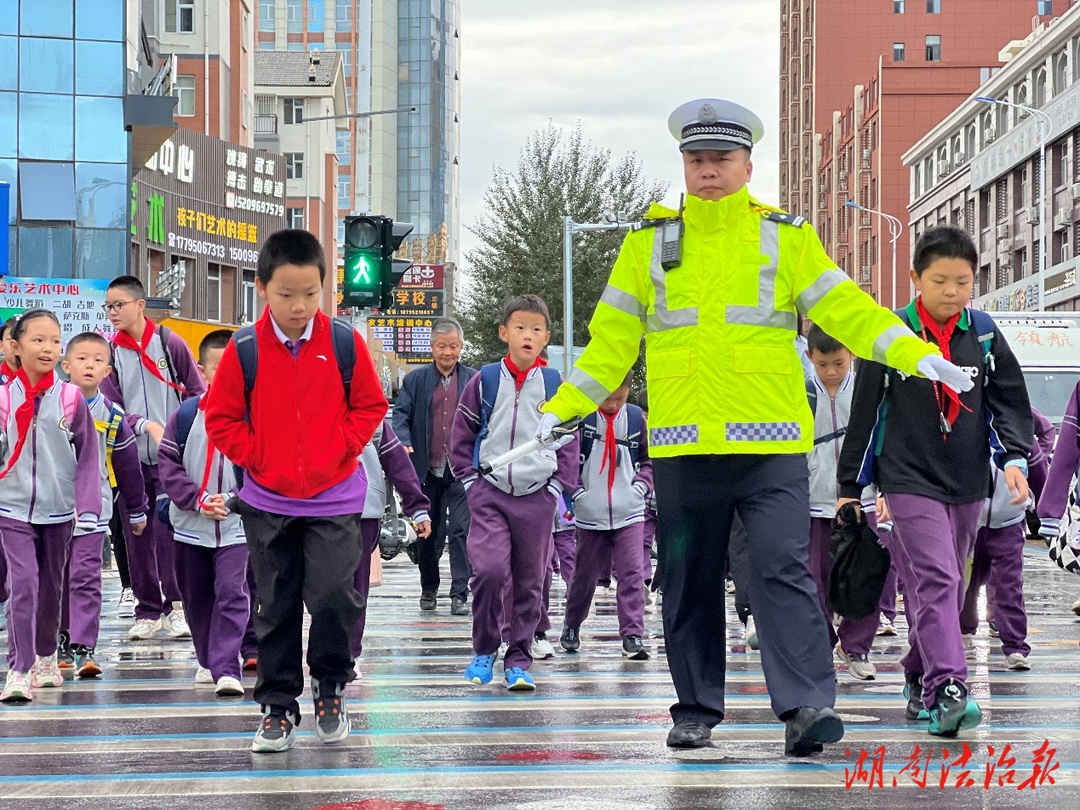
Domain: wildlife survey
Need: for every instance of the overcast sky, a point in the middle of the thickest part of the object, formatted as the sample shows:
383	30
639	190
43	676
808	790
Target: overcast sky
618	66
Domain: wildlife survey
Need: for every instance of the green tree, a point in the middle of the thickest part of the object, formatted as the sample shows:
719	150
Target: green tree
521	234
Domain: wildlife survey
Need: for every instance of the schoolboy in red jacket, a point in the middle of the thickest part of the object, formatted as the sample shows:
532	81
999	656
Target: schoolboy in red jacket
297	438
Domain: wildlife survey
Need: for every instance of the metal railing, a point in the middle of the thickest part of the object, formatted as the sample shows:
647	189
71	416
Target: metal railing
266	124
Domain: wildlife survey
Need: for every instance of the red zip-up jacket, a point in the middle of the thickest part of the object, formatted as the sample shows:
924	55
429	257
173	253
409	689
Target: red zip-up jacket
303	437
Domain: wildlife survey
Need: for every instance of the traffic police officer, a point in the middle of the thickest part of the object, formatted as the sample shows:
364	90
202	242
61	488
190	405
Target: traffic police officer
715	287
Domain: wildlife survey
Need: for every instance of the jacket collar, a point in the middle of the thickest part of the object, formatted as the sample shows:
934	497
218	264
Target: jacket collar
912	313
711	215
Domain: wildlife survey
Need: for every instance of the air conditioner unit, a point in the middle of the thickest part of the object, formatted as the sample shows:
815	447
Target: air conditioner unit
1076	191
1004	255
823	188
1031	216
959	159
943	168
822	204
1003	231
989	134
865	164
866	154
864	275
1064	215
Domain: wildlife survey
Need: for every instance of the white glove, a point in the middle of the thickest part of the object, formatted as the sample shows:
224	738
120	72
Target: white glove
937	368
548	422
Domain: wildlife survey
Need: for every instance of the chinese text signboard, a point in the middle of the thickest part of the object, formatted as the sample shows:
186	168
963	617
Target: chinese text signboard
423	277
408	338
416	304
75	302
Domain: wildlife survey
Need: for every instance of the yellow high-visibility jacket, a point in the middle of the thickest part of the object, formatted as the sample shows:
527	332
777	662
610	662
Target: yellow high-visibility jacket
723	375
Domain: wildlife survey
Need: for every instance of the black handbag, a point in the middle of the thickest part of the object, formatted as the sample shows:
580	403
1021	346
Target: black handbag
860	565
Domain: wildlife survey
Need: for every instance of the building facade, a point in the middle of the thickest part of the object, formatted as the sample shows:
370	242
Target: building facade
979	169
396	54
74	82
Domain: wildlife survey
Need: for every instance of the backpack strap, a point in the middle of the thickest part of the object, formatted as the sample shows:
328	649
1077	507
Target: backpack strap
110	428
69	400
163	336
812	396
635	425
189	409
247	352
342	335
588	436
490	376
552	381
985	329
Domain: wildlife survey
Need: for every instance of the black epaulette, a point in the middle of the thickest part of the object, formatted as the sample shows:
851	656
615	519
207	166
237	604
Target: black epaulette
652	223
787	219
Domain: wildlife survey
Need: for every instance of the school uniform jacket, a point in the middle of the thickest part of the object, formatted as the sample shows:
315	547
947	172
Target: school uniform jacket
181	479
595	507
894	437
1066	464
513	421
384	458
831	416
57	477
125	464
142	395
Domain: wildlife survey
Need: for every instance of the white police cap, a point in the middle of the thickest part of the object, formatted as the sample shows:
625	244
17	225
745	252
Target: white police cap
715	124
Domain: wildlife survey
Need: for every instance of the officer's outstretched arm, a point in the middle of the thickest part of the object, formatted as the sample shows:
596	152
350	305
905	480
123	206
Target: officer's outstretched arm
615	335
830	299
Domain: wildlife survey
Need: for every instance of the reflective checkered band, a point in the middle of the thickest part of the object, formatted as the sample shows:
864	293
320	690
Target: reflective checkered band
763	431
680	434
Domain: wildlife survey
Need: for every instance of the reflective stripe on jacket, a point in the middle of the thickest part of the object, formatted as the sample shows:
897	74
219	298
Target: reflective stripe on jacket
718	329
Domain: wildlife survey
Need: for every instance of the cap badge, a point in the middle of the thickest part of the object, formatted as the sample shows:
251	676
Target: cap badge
707	114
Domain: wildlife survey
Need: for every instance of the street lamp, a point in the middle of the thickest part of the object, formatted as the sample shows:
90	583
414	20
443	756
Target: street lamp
1044	135
613	221
895	229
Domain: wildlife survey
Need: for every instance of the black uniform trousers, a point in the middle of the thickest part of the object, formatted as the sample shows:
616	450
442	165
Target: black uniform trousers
449	522
739	567
300	561
697	498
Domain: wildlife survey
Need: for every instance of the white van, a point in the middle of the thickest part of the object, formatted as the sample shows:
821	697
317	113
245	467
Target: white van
1047	344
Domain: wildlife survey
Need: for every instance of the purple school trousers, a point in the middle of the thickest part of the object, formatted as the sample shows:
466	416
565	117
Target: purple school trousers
36	556
213	584
80	609
854	635
509	541
999	565
930	543
151	556
617	550
369	541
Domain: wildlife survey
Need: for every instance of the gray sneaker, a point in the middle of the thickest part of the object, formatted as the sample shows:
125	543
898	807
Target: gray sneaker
276	731
331	717
859	665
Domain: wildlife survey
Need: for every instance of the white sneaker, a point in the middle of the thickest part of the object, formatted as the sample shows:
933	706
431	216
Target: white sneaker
750	633
175	624
859	666
203	675
125	608
729	586
1017	662
885	627
17	688
969	646
46	673
648	595
144	629
542	648
356	668
1076	607
502	651
228	686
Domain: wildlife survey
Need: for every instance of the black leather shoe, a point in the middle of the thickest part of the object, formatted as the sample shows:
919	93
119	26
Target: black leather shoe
809	730
458	607
689	734
427	600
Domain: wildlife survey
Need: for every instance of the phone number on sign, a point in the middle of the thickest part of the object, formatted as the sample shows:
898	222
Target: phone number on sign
956	769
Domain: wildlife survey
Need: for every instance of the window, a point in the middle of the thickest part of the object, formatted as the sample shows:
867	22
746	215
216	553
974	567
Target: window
294	218
343	14
294	16
180	16
1046	8
184	90
294	165
344	194
345	49
344	147
294	111
898	51
266	15
47	191
315	16
933	48
249	299
213	293
933	6
898	7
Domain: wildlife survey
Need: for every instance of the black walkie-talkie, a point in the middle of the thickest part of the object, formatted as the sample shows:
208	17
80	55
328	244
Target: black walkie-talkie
671	241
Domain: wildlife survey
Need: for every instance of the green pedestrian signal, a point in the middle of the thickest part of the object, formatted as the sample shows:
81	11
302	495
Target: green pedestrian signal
370	270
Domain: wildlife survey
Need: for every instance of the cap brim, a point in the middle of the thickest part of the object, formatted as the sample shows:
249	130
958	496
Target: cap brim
712	146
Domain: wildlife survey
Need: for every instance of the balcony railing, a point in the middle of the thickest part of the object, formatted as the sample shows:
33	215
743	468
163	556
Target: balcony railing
266	124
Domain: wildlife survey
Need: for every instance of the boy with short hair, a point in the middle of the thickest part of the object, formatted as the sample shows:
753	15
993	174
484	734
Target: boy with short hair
297	435
211	555
830	390
512	508
153	372
616	478
86	362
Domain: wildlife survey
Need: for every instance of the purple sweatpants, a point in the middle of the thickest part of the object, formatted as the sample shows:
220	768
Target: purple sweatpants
565	550
649	539
855	635
80	608
544	624
3	577
618	550
36	556
369	541
887	605
151	557
213	584
509	541
930	543
999	564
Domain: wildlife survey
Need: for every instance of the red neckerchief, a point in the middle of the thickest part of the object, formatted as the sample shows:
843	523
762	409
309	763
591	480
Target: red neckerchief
611	449
948	400
6	371
519	375
24	414
126	341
